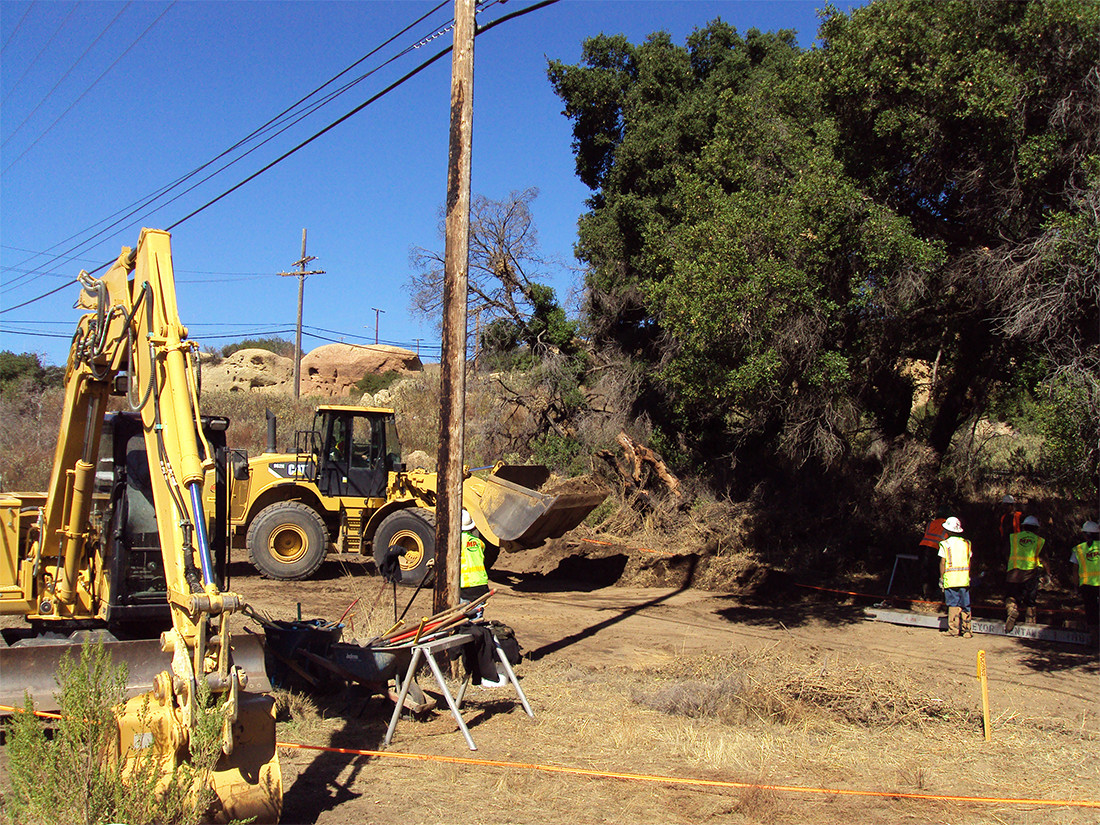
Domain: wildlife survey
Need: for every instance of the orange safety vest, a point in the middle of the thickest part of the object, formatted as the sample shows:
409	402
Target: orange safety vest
1023	550
1088	562
934	533
1010	523
956	553
473	561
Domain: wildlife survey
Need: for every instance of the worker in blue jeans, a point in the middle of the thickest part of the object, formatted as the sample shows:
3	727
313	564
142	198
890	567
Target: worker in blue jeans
955	578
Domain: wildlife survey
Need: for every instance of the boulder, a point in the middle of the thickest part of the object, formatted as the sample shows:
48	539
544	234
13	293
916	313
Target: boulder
334	369
250	370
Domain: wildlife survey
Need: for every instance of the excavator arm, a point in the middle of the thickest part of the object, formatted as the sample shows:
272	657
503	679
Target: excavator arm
132	341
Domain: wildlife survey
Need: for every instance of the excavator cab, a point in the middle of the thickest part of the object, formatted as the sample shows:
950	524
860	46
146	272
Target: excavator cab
137	587
358	448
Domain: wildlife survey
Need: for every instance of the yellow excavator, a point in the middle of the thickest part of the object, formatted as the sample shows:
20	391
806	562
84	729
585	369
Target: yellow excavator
132	541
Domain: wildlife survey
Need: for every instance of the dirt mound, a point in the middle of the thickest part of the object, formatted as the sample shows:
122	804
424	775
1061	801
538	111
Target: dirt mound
589	564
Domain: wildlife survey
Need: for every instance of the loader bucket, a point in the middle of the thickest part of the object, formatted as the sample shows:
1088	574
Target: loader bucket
527	517
33	668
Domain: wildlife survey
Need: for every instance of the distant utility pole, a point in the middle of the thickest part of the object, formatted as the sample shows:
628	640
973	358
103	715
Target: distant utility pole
377	312
301	276
418	340
452	430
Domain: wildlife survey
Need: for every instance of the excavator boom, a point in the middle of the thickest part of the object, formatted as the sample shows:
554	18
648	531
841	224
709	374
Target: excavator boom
60	564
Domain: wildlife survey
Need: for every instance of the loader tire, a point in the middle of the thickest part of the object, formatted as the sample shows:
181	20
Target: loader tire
287	541
412	529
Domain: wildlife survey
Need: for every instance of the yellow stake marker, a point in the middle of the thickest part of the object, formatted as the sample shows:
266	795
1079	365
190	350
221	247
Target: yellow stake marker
985	695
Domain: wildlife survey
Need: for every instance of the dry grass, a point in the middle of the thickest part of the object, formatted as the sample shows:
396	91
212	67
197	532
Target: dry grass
760	719
768	687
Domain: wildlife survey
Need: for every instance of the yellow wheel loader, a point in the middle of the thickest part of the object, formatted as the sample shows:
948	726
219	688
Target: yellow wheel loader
345	487
128	544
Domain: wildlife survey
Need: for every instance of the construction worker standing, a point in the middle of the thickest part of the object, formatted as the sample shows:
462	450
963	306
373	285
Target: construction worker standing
1086	556
474	578
1010	518
928	548
1025	561
955	578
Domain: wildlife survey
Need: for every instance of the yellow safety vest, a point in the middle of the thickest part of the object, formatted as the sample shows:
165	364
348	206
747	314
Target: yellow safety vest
956	554
473	561
1023	550
1088	562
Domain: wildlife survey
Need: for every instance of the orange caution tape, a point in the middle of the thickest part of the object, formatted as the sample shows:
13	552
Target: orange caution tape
711	783
671	780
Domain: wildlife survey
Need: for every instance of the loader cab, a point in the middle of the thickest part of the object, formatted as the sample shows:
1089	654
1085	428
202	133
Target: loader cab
358	449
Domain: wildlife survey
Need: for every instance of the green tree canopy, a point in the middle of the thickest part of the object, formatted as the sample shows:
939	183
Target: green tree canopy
778	232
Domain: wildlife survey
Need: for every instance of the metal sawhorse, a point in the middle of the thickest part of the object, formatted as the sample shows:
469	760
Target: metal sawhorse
427	650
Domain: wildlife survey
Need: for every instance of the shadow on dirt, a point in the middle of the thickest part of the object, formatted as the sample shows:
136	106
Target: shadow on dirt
327	781
573	573
593	629
1050	657
789	610
333	568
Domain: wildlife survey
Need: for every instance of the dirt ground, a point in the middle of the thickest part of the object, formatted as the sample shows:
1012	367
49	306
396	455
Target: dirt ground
614	675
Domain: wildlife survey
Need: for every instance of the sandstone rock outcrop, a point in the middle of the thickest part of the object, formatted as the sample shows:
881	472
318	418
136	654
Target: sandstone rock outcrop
335	369
250	370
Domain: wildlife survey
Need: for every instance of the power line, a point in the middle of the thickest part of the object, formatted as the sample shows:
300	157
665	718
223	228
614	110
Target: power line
94	84
63	77
314	137
17	26
148	200
42	51
408	76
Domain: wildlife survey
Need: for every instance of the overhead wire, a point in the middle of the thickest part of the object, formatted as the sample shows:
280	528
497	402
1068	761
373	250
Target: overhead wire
359	108
95	83
41	51
65	76
18	25
400	81
148	200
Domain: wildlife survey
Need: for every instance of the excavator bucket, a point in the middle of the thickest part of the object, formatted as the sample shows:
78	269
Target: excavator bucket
527	517
33	668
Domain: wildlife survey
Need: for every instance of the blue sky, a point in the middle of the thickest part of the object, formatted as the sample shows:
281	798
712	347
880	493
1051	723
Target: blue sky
90	128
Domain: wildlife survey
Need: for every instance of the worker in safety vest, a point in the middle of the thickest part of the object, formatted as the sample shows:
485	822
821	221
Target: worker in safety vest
1086	556
955	578
928	548
1025	561
1010	518
474	578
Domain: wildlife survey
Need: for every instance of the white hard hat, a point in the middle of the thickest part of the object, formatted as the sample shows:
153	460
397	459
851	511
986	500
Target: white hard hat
1090	527
1031	521
1008	500
467	522
952	525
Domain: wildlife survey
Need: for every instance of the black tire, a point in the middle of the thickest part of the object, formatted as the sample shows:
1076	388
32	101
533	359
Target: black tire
287	541
414	530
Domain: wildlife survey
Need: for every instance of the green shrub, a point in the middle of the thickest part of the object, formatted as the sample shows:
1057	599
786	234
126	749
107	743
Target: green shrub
373	382
279	346
76	775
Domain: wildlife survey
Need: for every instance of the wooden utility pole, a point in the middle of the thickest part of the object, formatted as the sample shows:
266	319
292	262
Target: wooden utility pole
377	312
452	429
301	276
